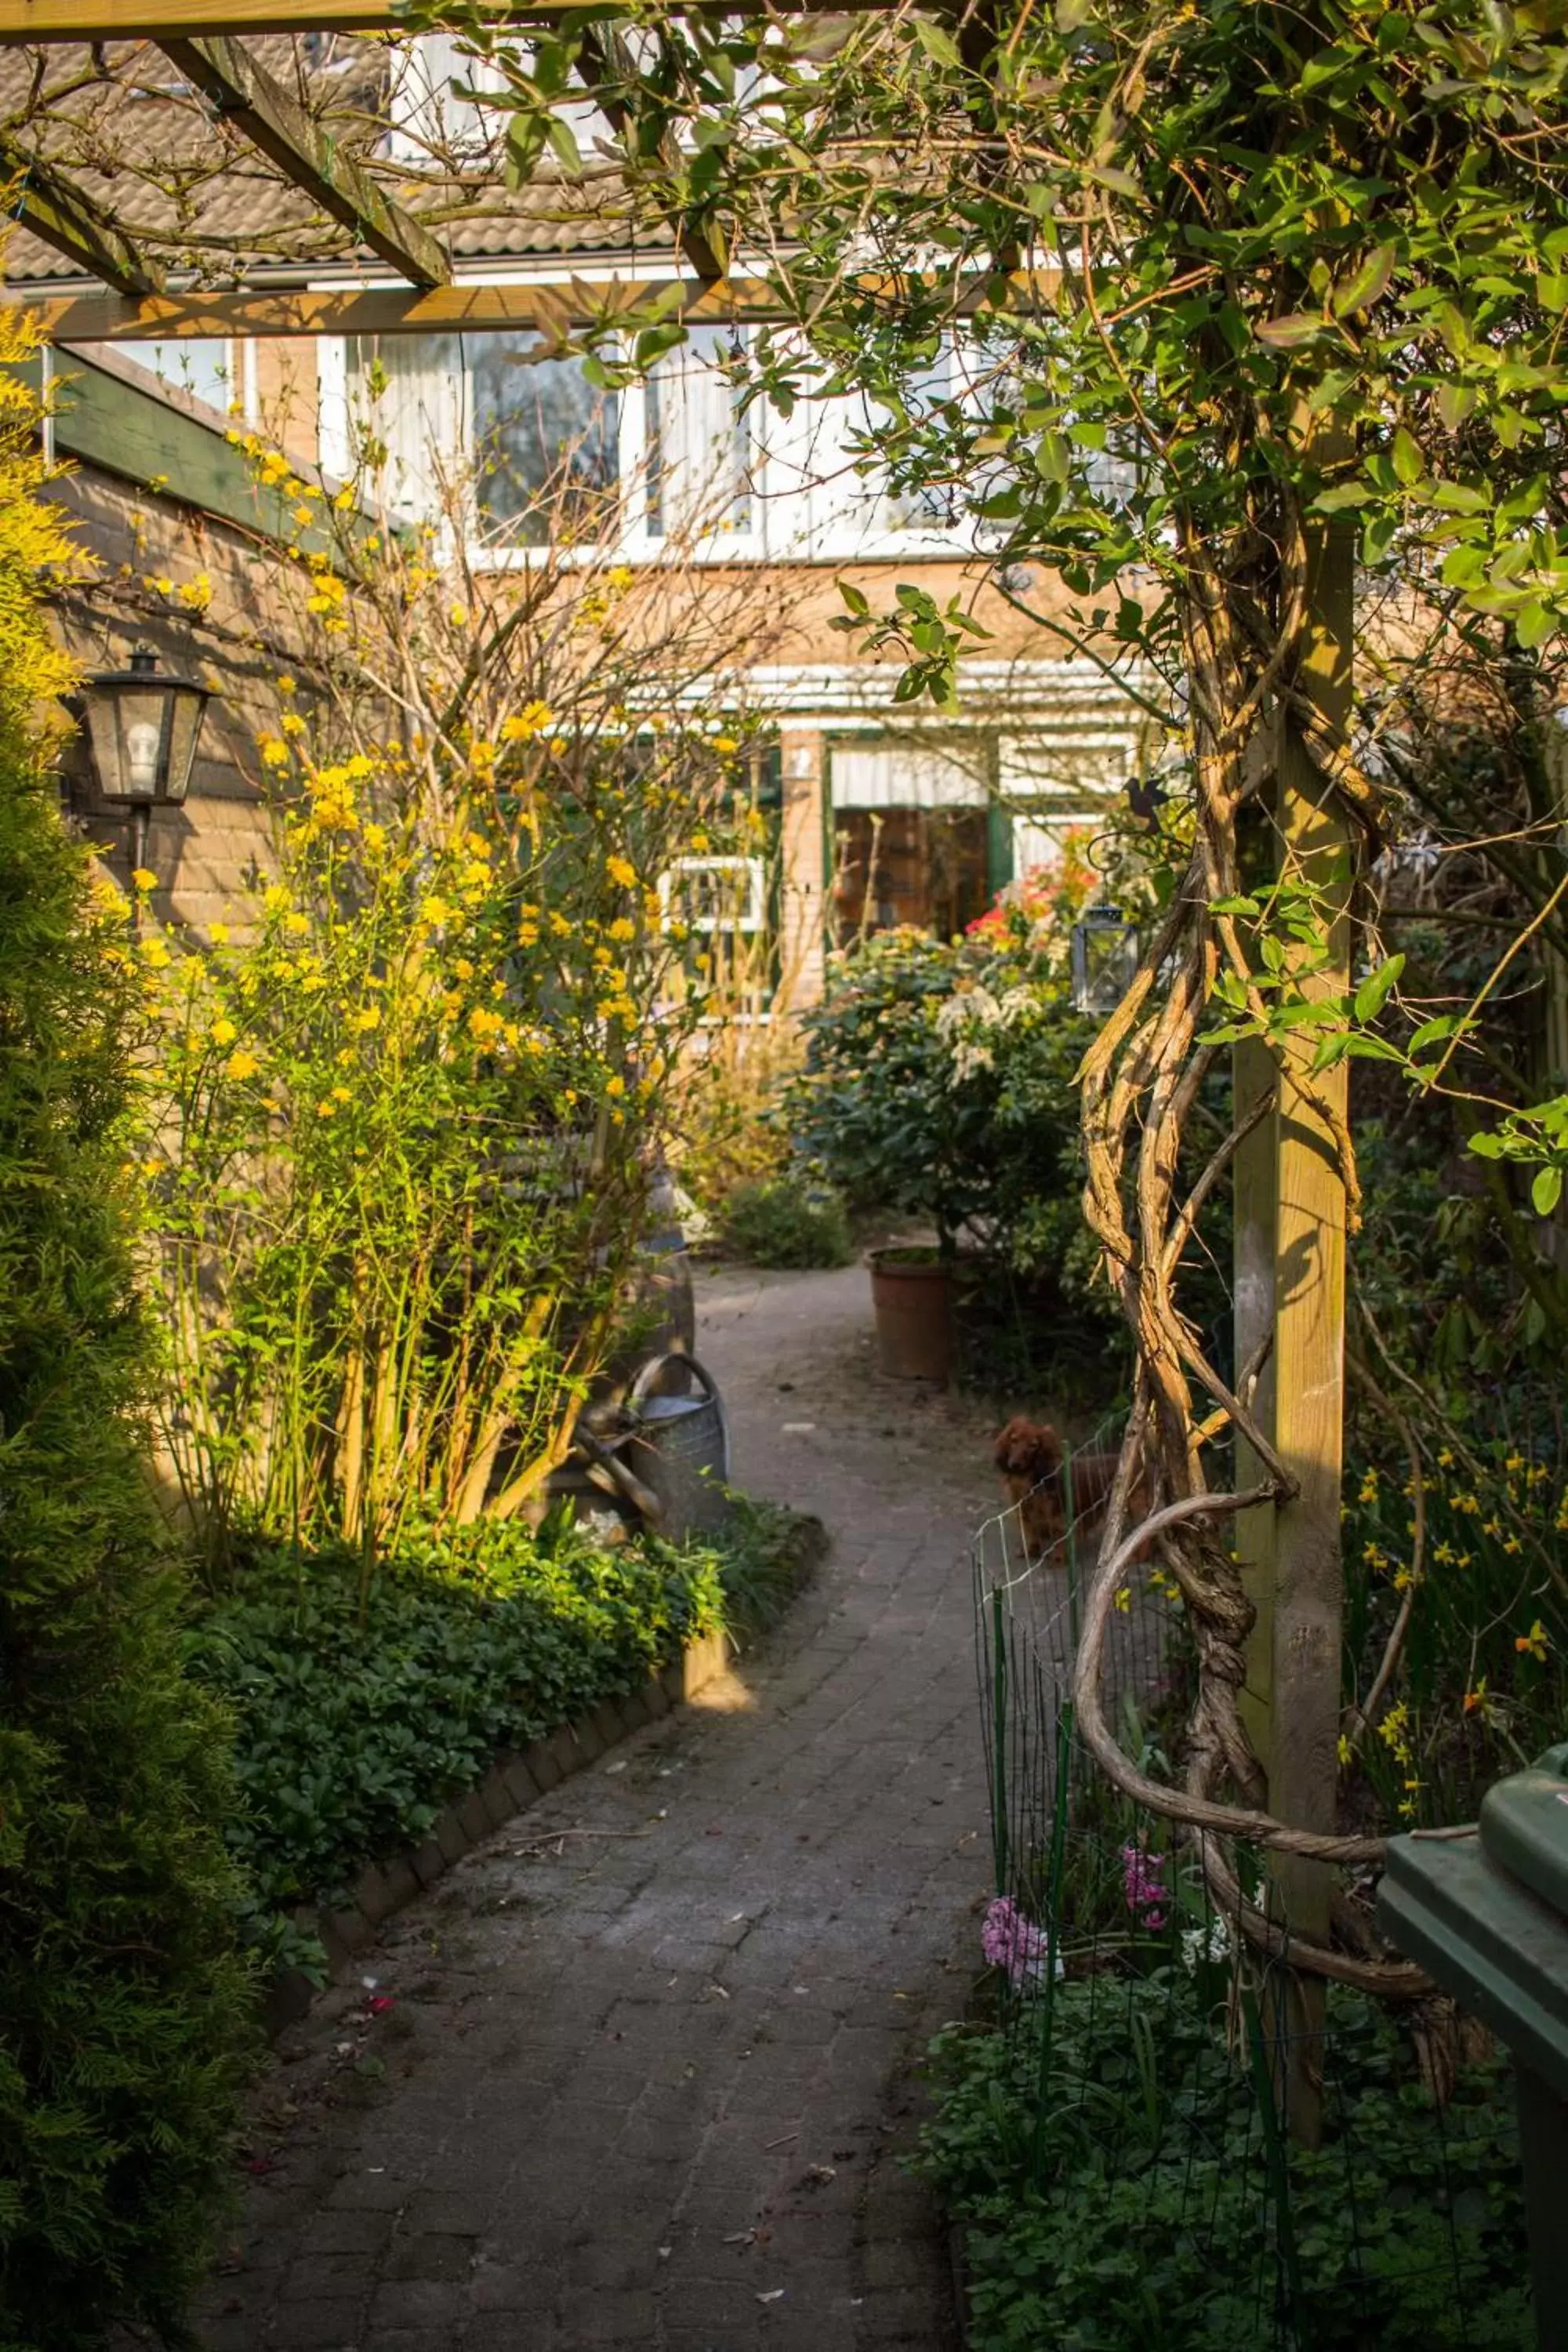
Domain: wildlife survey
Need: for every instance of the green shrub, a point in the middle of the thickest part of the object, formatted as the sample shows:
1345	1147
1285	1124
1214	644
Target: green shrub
1154	2210
124	2012
940	1081
786	1221
358	1715
361	1712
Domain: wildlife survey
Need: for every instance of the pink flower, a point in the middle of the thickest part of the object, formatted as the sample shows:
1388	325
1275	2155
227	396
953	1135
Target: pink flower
1143	1881
1012	1942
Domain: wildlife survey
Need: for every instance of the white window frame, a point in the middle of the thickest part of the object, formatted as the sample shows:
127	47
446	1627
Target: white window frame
755	920
780	526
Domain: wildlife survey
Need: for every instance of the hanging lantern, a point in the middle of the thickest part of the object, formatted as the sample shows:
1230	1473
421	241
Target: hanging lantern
1104	958
142	728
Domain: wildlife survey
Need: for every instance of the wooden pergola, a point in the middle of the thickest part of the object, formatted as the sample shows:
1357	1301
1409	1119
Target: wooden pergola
1290	1188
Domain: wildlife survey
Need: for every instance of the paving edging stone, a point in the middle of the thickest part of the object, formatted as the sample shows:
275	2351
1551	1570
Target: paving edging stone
516	1778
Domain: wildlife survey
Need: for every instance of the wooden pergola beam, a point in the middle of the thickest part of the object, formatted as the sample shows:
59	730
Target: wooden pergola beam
259	106
157	20
555	306
64	217
551	309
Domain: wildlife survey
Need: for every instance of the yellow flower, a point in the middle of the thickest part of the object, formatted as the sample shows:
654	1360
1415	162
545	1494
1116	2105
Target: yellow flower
484	1024
1124	1598
143	880
276	897
291	723
622	929
560	926
527	935
222	1032
621	870
367	1018
1514	1462
700	842
1513	1545
218	934
273	750
342	1095
242	1065
615	1086
1445	1459
1346	1751
1534	1643
298	924
154	954
725	743
326	1108
434	909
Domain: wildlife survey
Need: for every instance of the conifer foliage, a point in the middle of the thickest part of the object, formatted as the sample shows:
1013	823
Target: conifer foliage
123	2007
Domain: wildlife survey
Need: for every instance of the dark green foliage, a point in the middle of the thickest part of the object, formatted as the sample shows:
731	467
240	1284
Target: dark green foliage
787	1220
940	1081
357	1723
123	2010
1150	2215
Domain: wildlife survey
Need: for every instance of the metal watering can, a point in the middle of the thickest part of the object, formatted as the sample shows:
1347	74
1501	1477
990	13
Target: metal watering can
680	1446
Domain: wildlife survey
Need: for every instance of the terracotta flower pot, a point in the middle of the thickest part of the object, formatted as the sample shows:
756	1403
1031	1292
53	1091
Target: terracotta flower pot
912	1300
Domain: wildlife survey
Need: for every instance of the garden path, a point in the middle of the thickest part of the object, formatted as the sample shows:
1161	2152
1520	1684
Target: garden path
648	2068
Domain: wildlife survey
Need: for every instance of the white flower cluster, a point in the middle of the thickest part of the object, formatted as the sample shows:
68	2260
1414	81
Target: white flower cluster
964	1018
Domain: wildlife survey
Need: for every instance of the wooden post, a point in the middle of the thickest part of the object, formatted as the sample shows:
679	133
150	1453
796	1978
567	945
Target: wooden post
1290	1267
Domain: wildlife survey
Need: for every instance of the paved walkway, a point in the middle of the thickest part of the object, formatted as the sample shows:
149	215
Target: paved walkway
647	2065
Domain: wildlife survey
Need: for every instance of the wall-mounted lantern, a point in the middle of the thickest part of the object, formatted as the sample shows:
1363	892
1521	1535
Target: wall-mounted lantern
142	728
1104	958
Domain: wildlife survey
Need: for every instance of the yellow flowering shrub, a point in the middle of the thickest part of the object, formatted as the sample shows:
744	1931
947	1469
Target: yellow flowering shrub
1477	1613
399	1186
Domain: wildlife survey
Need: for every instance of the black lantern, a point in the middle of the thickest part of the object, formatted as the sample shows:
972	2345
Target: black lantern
1104	958
142	728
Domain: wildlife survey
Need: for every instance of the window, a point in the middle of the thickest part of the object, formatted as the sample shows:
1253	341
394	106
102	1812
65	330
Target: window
545	441
535	446
199	364
926	868
714	893
428	120
697	464
911	837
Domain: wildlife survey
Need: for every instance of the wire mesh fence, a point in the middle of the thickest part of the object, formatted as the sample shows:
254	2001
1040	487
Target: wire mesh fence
1135	2048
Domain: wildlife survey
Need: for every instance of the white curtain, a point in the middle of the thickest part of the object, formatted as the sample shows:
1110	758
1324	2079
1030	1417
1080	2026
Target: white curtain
698	465
906	776
404	394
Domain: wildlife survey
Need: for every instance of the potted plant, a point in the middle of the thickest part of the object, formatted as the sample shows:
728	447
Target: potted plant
939	1084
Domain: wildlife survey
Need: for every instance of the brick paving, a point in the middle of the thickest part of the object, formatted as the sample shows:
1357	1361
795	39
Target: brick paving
649	2063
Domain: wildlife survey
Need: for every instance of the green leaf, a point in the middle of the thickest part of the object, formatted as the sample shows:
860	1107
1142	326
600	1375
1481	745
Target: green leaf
938	45
1546	1191
1373	991
1367	284
1289	332
1408	461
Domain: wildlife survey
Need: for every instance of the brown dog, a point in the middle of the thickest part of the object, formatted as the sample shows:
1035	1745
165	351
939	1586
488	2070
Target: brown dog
1030	1456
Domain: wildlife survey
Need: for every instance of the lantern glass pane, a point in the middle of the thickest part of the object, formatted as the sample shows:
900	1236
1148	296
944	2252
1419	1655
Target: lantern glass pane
1104	961
125	724
185	727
